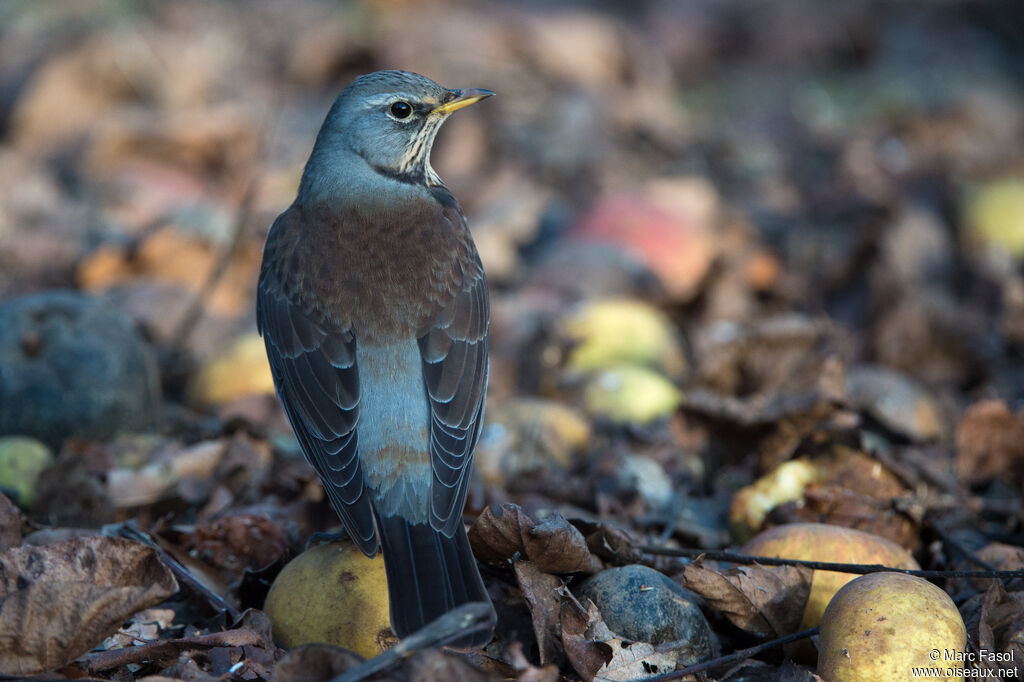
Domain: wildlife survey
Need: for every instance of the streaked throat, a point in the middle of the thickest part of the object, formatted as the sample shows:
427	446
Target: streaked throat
415	163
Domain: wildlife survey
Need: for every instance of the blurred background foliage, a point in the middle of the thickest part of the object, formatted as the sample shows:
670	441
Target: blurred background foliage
724	238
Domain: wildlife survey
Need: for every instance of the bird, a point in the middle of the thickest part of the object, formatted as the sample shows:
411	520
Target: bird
373	306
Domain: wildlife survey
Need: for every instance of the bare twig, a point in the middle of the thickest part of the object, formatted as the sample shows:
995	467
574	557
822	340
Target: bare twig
739	655
194	312
958	547
166	650
131	531
464	620
737	558
242	218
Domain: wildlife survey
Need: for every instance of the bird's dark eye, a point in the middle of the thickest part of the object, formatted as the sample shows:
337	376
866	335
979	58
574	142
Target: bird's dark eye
401	110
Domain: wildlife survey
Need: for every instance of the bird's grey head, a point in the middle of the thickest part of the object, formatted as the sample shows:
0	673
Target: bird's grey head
388	119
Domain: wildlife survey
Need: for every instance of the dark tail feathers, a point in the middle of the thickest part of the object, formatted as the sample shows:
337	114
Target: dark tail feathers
429	574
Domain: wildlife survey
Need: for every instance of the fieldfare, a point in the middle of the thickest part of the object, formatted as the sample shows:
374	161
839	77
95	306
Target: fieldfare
373	306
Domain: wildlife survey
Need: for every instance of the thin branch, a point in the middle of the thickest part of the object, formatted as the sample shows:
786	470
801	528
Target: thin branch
737	558
455	624
739	655
194	312
131	531
958	547
166	650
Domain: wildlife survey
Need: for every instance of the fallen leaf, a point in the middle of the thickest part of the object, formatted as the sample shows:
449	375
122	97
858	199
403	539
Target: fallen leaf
59	601
1000	557
995	621
526	671
608	542
898	402
540	590
238	540
837	505
252	634
586	655
558	547
500	534
597	654
434	665
989	442
495	537
844	487
169	465
10	524
144	627
579	47
767	358
765	601
315	663
634	660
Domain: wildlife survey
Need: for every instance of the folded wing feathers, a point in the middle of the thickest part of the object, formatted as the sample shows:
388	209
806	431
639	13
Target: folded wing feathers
318	383
455	364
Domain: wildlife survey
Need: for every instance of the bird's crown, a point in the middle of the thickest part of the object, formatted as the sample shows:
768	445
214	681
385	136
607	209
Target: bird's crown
387	119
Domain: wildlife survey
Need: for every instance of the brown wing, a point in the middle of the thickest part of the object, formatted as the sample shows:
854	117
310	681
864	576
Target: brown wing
455	367
317	382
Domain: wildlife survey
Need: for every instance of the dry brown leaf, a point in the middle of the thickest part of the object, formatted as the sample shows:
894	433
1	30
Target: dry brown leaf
495	536
526	671
989	442
315	663
434	665
586	654
1001	628
837	505
845	487
71	91
238	540
500	534
558	547
59	601
252	634
540	590
10	524
597	654
200	140
171	255
765	601
168	466
492	666
579	47
1000	557
144	627
896	400
608	542
633	661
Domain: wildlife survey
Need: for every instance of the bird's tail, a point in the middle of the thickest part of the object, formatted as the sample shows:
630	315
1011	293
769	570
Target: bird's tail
429	574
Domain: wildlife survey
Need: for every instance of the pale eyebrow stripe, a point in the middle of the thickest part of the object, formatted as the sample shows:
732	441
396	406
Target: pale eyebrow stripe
384	99
378	100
